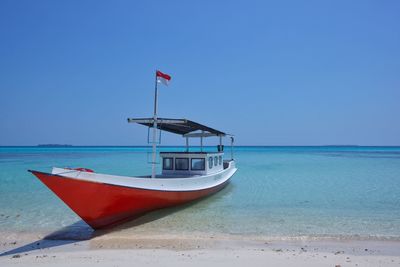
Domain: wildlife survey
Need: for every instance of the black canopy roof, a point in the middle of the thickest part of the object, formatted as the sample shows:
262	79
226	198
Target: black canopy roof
177	126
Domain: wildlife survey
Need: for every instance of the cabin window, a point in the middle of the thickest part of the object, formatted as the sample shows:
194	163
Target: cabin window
182	164
198	164
168	163
220	160
215	161
210	162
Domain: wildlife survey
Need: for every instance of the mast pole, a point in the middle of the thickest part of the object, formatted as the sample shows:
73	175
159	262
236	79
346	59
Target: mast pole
153	161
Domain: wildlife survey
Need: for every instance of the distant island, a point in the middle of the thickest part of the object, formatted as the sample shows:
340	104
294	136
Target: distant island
54	145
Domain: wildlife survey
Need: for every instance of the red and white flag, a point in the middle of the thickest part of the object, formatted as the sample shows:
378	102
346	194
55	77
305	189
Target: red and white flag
163	78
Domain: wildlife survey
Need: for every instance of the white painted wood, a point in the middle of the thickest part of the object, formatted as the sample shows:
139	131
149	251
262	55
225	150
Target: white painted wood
161	182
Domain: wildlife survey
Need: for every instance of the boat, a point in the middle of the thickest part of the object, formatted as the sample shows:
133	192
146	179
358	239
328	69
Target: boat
104	200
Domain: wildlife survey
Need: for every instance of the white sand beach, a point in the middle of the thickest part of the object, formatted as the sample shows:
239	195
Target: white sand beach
180	250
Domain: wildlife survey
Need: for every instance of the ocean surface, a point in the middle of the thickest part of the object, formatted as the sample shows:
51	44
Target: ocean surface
279	192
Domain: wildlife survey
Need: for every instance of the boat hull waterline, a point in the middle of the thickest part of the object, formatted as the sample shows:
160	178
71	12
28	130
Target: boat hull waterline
102	204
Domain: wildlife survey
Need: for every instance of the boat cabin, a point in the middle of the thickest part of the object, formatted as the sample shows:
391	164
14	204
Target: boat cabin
191	163
185	163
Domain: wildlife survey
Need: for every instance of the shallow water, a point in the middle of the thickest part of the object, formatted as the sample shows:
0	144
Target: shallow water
282	192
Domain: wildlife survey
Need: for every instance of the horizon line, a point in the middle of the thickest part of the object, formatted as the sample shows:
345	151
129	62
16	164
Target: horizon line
68	145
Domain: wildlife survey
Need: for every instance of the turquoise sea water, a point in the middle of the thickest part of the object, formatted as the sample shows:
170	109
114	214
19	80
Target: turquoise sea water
338	192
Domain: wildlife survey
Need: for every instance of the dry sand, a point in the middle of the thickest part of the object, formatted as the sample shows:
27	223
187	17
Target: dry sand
195	249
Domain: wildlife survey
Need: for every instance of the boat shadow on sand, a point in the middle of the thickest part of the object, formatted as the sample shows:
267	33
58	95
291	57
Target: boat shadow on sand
80	231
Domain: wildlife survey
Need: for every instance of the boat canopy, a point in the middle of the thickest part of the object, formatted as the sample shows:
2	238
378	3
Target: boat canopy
184	127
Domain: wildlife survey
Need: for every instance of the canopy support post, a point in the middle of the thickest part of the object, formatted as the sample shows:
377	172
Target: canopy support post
201	141
232	140
187	144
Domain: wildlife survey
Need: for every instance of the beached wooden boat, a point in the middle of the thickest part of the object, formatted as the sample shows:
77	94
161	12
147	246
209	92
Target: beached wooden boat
102	200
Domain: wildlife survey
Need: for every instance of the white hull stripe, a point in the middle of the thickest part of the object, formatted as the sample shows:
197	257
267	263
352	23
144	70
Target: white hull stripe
193	183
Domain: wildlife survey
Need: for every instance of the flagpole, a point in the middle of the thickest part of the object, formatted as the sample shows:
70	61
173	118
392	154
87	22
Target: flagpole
153	162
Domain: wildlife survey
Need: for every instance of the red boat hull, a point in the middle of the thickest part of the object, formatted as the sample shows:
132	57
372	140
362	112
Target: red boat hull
101	205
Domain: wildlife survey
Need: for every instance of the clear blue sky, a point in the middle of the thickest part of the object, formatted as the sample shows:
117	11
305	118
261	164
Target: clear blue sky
271	72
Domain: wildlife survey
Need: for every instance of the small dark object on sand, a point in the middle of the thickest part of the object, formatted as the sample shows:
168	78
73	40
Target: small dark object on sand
16	256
